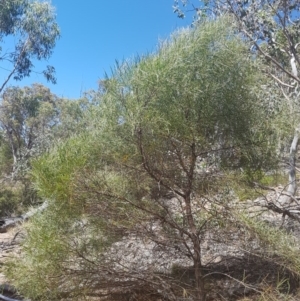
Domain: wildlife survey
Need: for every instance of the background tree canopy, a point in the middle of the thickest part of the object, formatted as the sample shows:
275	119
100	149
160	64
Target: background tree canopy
32	120
33	25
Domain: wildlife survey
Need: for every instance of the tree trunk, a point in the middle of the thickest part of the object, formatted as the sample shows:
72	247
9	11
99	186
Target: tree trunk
199	280
292	185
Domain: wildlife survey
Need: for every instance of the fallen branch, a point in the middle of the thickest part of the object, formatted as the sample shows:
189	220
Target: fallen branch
5	224
2	297
7	289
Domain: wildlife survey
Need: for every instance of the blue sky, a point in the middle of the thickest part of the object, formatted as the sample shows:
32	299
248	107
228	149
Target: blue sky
95	33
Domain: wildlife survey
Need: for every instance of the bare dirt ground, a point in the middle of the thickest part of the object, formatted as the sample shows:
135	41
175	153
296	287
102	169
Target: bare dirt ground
9	245
142	254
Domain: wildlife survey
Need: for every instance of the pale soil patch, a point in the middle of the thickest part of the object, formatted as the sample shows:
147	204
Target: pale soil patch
9	245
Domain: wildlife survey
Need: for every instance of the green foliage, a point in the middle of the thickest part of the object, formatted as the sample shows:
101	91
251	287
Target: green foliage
273	179
27	116
272	28
273	23
62	250
71	117
32	118
251	187
34	27
6	158
168	122
275	242
8	202
15	197
61	164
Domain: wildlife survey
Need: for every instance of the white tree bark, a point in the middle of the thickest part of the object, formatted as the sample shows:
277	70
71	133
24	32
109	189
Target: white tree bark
292	185
14	221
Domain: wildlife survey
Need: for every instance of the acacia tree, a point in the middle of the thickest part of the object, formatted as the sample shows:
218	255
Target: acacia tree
272	27
167	129
33	26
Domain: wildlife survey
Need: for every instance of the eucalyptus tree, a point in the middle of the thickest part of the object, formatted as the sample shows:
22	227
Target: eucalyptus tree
32	24
27	116
33	118
167	129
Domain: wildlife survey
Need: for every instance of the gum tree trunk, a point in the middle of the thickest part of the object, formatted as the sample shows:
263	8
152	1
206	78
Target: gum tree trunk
292	185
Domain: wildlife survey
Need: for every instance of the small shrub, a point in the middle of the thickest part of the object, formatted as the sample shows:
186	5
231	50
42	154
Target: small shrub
8	202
